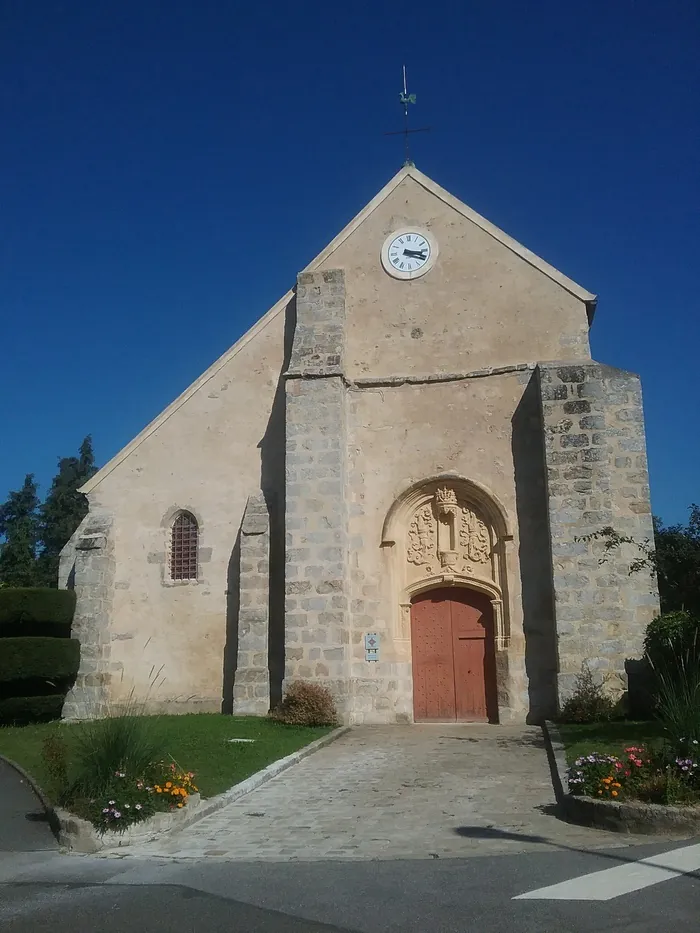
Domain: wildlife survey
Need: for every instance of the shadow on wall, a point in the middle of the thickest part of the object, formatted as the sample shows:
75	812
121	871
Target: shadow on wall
534	555
272	482
233	602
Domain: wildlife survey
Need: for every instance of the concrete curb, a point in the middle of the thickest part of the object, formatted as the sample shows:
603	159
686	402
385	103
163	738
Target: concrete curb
206	807
52	817
557	760
637	818
625	817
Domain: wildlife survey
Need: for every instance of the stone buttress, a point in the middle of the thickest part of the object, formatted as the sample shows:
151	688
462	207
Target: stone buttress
316	564
251	691
595	458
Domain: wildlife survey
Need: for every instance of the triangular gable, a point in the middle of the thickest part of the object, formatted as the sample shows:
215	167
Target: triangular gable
408	171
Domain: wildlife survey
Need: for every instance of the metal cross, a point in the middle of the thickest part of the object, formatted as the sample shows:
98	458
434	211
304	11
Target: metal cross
405	98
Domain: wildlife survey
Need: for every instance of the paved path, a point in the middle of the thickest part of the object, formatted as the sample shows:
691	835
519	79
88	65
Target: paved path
395	792
23	823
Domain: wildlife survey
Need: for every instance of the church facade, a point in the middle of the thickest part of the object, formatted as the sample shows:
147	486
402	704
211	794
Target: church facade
382	487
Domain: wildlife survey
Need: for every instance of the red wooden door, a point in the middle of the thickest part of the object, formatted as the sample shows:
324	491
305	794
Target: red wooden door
453	658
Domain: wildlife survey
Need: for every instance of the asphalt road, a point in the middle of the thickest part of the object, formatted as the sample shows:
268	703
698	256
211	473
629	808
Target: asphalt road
23	823
69	894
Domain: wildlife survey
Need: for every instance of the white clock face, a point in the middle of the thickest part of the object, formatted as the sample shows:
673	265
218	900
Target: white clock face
408	253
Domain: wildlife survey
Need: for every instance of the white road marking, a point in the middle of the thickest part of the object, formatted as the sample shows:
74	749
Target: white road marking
623	879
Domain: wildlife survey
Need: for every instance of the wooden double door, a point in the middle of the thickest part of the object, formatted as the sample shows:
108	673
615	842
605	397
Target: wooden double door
454	670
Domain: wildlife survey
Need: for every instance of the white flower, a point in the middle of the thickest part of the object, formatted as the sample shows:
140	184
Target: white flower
111	803
117	814
138	806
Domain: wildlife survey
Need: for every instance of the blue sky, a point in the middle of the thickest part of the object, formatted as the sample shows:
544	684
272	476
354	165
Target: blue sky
149	148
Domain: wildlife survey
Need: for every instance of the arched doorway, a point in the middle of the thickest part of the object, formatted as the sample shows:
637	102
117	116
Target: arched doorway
453	650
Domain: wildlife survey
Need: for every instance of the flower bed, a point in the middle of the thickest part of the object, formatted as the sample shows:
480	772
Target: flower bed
659	777
132	799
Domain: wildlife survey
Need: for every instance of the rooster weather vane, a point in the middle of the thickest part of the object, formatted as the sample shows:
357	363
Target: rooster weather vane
405	99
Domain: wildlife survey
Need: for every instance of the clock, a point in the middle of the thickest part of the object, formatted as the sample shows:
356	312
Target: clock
409	253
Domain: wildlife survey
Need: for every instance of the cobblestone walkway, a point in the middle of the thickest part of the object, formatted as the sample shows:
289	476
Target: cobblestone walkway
394	792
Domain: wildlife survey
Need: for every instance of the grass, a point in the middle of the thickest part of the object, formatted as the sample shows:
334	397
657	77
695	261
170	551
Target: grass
610	738
197	742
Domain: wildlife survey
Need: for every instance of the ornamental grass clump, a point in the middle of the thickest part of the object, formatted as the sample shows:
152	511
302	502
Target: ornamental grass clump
105	747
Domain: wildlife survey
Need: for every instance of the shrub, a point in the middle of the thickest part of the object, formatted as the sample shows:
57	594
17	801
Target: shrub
51	659
19	711
588	702
307	704
119	743
36	604
671	635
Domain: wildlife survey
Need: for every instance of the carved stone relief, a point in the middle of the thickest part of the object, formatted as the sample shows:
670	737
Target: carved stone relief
446	534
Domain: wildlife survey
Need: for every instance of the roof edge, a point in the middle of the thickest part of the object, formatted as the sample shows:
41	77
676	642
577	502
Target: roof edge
208	374
588	298
241	342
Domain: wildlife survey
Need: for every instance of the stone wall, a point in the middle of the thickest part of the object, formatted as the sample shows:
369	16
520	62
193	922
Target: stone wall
92	575
316	585
251	690
596	477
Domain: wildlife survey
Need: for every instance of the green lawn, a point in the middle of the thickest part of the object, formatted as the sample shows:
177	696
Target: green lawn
197	742
610	738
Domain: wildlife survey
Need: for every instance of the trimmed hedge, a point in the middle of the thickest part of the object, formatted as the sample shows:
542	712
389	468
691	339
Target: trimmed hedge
36	604
19	711
46	658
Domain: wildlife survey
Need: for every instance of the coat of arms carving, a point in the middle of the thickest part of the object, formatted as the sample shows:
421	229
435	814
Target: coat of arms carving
447	533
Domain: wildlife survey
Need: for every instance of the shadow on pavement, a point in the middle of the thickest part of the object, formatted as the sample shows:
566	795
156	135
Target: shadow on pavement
492	832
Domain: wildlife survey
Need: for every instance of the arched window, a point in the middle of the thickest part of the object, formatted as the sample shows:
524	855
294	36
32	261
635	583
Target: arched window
183	547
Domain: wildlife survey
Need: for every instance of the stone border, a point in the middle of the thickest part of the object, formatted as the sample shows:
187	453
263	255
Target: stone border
51	815
79	835
625	817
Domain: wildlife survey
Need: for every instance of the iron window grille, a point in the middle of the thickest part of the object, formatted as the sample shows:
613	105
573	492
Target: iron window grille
183	548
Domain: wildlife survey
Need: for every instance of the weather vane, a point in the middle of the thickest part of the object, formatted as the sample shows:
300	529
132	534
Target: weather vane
405	98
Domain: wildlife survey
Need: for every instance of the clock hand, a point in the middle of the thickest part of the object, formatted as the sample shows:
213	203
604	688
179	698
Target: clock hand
414	253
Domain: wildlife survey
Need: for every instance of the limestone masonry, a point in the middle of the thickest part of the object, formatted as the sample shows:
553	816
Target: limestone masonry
388	485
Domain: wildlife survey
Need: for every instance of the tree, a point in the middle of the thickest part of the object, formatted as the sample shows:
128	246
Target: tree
674	557
63	510
677	559
19	526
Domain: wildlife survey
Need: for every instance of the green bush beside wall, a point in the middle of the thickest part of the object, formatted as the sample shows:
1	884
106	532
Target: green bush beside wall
36	604
38	658
46	658
20	711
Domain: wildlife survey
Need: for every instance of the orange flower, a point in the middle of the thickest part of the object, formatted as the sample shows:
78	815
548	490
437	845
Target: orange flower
168	784
614	793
